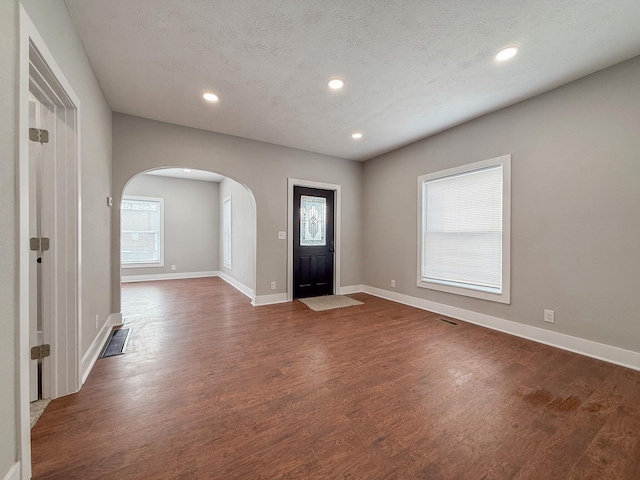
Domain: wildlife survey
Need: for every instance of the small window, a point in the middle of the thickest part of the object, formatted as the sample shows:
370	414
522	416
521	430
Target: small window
313	221
465	230
226	231
142	232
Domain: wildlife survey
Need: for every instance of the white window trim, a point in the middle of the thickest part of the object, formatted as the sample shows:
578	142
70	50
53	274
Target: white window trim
159	263
505	295
227	264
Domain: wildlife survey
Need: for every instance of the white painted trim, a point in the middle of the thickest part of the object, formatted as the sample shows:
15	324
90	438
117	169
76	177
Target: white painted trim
295	182
236	284
600	351
71	329
261	300
13	473
351	289
167	276
89	358
23	270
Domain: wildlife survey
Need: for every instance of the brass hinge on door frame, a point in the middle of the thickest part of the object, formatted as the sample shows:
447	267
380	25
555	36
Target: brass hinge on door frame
38	135
40	351
39	243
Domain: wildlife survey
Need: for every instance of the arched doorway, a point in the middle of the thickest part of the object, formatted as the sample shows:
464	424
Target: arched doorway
186	223
181	223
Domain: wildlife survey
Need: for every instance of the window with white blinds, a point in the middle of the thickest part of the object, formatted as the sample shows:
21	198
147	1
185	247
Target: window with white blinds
464	234
142	232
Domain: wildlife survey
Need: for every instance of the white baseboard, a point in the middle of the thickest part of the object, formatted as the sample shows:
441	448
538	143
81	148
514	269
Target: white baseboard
236	284
260	300
350	289
600	351
89	358
167	276
14	472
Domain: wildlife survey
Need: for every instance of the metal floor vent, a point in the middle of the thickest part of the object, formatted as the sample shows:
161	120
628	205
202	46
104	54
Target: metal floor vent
117	343
450	322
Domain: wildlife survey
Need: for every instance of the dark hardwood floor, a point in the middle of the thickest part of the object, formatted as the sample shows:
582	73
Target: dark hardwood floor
213	388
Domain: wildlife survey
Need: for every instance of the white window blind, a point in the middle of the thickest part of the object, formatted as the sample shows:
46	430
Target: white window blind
141	231
462	232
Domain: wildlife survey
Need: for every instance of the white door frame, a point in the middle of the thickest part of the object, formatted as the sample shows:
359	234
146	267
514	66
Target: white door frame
37	65
294	182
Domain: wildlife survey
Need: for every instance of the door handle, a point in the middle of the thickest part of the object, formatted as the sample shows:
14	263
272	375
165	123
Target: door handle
331	249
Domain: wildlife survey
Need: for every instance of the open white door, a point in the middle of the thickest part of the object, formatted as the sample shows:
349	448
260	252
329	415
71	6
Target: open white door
41	171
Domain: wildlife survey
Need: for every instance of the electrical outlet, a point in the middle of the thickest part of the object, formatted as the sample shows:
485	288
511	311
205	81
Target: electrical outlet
173	267
97	321
393	284
550	316
273	285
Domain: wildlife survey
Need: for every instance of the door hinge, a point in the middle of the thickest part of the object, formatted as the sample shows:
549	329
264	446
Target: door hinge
40	351
39	135
39	243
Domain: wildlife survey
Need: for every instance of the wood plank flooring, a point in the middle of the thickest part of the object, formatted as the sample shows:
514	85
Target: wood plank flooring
213	388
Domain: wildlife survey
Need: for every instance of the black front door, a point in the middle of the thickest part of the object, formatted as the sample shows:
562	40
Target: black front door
313	242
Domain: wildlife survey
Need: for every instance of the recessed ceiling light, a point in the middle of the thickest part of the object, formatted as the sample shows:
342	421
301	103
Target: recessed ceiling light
210	97
336	83
356	135
187	170
506	54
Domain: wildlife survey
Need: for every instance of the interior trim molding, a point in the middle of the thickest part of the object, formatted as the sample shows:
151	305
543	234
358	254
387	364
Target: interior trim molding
13	473
168	276
236	284
600	351
89	358
261	300
349	289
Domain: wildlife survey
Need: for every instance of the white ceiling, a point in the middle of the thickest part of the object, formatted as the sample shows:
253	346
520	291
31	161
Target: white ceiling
412	67
192	174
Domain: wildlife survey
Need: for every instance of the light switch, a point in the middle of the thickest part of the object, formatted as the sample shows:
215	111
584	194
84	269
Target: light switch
282	235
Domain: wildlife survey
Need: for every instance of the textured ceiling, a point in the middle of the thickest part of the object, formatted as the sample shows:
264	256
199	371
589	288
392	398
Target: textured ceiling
412	67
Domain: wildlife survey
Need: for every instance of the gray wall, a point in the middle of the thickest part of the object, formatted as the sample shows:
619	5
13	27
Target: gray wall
575	206
58	32
190	223
140	144
8	234
243	232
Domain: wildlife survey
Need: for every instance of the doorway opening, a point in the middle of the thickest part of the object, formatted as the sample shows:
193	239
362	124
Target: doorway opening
51	196
41	161
183	223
